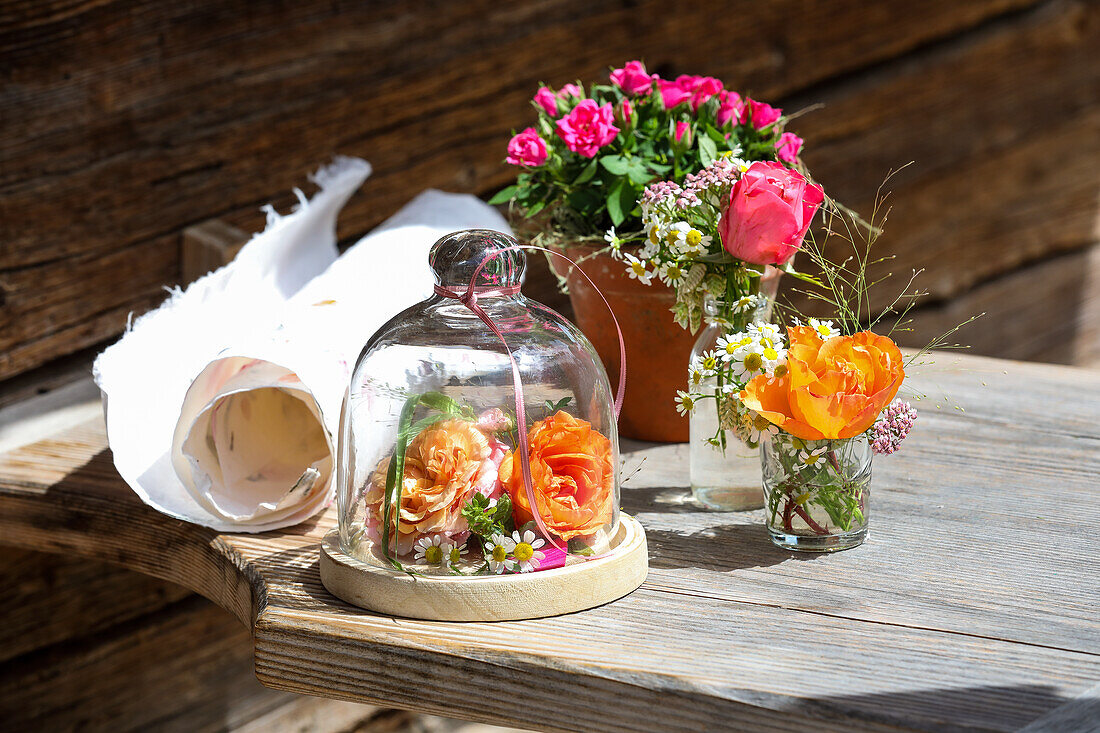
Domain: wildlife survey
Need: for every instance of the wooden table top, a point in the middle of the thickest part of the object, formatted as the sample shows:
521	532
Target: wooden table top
973	604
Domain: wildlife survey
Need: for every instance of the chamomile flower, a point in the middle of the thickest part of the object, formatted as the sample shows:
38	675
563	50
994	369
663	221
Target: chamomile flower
452	553
769	331
812	457
746	304
526	552
731	343
497	549
685	403
697	373
825	329
709	361
747	361
671	274
638	269
430	551
675	235
614	244
722	323
694	242
757	426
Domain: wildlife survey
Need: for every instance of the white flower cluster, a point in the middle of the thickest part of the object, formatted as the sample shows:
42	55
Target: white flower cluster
516	554
723	373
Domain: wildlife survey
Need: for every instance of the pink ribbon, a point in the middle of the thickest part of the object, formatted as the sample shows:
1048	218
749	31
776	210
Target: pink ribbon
469	299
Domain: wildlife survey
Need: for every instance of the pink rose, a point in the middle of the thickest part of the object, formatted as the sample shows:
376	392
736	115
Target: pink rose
546	99
527	148
633	78
788	146
768	214
704	89
729	109
570	90
672	94
761	115
588	127
682	136
624	114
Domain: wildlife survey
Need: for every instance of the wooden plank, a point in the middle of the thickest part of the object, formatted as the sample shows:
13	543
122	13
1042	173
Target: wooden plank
198	110
978	528
1047	312
187	669
51	599
981	120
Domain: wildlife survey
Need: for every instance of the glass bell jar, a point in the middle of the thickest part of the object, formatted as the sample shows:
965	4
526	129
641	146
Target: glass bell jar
434	442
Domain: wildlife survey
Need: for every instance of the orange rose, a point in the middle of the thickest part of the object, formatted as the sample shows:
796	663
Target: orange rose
445	465
572	475
832	389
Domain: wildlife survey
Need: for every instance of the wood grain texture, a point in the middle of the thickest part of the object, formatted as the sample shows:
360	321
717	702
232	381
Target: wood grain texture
971	605
89	646
123	123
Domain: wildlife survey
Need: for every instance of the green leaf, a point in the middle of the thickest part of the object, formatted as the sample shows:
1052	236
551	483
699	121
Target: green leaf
615	205
640	175
536	208
504	195
552	407
587	173
716	136
615	164
708	150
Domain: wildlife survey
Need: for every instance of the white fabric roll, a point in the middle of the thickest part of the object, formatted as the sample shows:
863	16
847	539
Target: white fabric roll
222	405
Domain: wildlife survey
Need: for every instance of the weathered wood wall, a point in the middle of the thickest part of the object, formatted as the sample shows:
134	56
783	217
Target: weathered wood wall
123	122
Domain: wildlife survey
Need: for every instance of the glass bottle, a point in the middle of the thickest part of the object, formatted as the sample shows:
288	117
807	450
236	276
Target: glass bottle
816	491
725	471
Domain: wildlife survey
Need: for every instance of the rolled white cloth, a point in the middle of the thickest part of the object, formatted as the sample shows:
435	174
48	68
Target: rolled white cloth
222	405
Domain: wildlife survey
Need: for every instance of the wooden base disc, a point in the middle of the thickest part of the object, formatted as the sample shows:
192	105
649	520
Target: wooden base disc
489	597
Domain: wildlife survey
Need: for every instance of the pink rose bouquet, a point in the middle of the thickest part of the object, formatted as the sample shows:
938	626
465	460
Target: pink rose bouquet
593	149
694	185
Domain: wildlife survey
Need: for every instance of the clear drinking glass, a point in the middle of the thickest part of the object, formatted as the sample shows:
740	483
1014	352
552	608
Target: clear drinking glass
725	471
817	491
438	382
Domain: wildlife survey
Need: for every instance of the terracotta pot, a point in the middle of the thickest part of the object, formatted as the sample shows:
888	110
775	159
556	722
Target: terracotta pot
657	350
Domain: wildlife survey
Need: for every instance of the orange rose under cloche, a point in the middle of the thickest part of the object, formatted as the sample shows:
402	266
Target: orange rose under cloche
832	389
572	474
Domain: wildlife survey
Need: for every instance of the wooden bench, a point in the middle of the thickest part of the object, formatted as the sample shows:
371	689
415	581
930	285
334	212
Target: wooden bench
972	605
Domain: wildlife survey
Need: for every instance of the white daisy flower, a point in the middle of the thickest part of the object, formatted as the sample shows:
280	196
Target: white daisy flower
697	373
671	274
638	269
685	403
429	550
614	243
731	343
757	426
719	321
812	457
526	552
747	361
766	331
693	243
773	355
825	329
709	361
655	234
675	235
497	549
452	553
746	304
